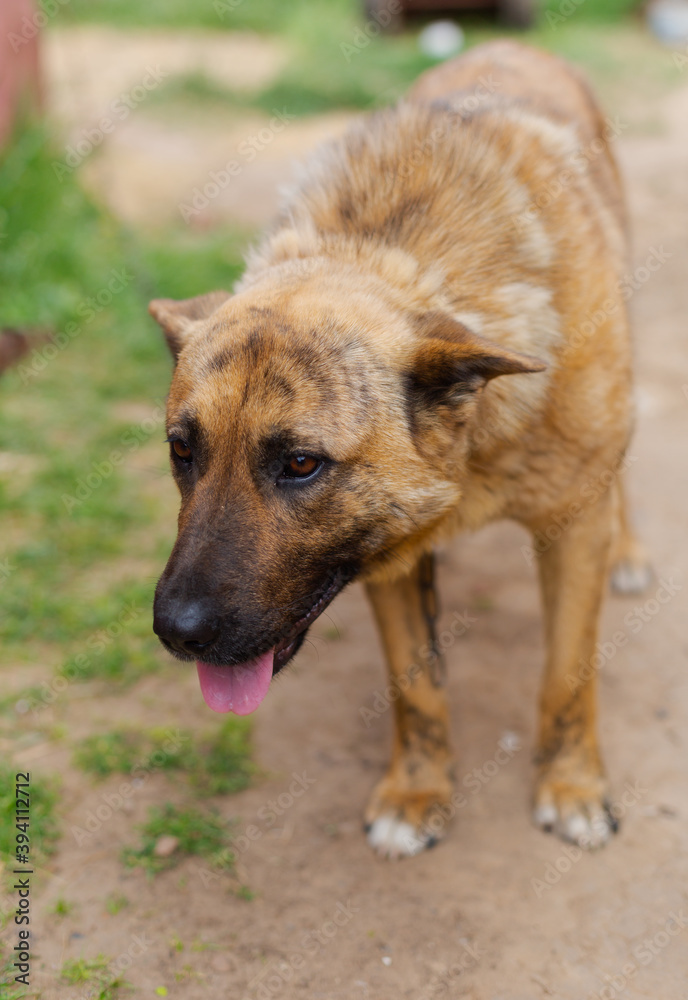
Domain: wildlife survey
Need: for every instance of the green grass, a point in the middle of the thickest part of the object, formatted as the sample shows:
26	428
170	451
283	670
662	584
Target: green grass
274	16
60	423
115	903
9	990
332	62
218	763
42	831
103	984
202	834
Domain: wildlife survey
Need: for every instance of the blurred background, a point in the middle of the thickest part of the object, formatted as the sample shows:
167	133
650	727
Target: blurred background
143	147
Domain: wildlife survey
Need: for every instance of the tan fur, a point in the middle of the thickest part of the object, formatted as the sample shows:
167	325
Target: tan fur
417	246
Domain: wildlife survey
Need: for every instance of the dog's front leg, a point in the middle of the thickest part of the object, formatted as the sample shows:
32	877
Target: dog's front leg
571	789
409	808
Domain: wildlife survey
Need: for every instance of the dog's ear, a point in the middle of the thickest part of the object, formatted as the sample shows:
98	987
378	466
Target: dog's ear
451	364
177	317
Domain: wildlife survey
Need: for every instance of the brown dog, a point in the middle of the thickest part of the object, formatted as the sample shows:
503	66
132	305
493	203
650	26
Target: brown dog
342	412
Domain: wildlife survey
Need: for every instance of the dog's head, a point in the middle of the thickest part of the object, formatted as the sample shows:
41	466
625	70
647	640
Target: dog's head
316	435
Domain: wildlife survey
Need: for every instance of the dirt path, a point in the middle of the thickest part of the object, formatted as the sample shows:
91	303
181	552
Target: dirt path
499	911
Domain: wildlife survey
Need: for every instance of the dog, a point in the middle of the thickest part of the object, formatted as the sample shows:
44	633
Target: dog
432	336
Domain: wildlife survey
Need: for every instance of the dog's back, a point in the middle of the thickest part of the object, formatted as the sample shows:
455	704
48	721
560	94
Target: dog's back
536	81
479	197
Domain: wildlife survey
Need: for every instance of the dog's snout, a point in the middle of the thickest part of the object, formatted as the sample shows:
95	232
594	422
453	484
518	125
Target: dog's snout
187	626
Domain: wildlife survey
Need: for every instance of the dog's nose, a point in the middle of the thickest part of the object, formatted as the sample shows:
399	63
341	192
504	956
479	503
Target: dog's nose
189	627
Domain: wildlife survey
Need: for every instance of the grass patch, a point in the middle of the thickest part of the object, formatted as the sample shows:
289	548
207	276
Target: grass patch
104	985
334	63
9	990
62	908
275	16
200	834
115	903
216	764
60	252
42	830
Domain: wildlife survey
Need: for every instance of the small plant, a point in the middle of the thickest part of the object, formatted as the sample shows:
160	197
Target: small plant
95	971
62	908
217	764
197	833
8	990
113	904
106	753
43	827
223	764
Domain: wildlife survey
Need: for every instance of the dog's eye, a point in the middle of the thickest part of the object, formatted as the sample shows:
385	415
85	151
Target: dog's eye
301	467
181	450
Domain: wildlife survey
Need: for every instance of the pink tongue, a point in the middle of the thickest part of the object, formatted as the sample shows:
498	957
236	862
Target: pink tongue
238	689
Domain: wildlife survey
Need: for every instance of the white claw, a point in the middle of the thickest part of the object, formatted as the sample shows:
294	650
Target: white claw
630	578
394	838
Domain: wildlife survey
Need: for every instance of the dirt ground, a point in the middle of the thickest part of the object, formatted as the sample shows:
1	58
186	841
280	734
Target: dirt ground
499	911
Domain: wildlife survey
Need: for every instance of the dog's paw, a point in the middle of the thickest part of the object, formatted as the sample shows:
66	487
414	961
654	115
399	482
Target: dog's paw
631	576
392	837
402	821
579	814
